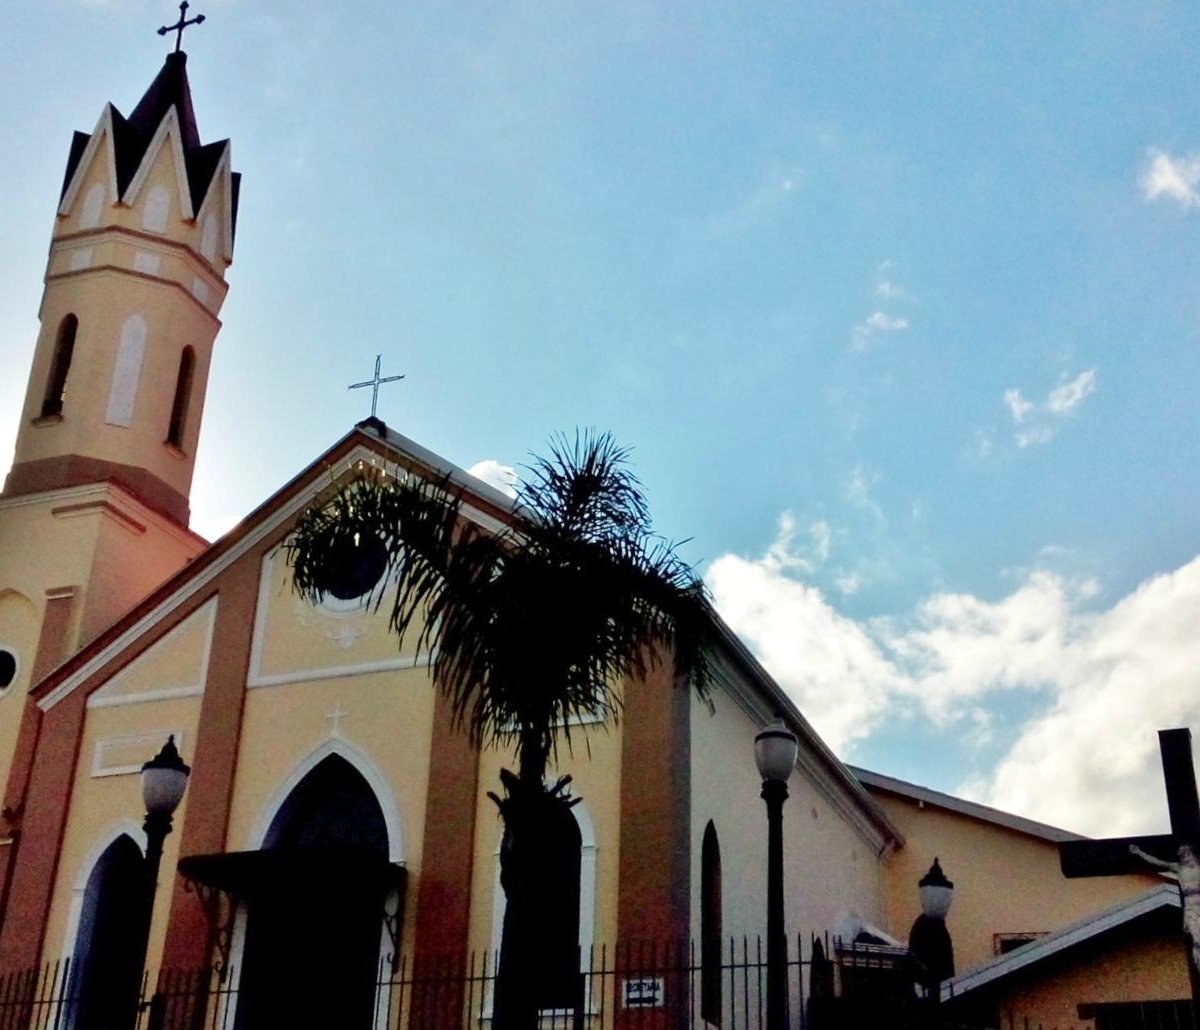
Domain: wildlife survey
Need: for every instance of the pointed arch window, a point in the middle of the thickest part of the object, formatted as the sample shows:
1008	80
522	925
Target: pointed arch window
60	366
183	397
710	927
106	965
318	920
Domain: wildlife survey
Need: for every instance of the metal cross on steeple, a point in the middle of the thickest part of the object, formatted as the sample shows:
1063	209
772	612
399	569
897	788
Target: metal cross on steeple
183	23
374	383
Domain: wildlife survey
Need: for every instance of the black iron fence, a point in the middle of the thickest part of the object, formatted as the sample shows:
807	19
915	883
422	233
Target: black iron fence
637	986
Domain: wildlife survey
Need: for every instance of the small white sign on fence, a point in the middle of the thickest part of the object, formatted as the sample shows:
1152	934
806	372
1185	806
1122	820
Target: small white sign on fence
642	992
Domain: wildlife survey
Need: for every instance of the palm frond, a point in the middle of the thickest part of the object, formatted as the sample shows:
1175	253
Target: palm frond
539	624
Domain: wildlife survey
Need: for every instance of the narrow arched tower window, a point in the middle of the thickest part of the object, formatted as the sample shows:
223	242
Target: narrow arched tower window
710	927
183	395
60	365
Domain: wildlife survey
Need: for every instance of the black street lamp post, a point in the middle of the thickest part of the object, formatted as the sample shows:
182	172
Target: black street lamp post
164	779
775	750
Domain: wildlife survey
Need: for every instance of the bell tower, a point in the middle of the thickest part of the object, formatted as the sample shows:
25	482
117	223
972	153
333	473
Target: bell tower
94	511
134	283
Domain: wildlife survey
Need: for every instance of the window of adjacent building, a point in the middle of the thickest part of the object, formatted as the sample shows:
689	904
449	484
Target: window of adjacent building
1137	1015
8	668
710	927
1003	943
183	395
60	366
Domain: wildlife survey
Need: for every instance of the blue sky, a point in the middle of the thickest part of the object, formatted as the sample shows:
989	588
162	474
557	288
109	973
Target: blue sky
896	303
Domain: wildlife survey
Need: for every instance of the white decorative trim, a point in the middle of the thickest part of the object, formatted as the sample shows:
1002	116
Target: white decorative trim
255	676
168	128
81	258
222	179
145	696
127	371
156	217
370	772
152	741
208	612
92	211
146	262
253	538
338	671
103	129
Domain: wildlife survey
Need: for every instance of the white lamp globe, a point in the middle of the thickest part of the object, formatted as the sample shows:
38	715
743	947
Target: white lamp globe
775	751
164	779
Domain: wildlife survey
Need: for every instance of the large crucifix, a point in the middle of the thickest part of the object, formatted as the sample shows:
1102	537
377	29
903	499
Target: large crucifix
183	23
1177	852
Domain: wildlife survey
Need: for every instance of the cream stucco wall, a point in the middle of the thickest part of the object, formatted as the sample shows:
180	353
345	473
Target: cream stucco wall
106	802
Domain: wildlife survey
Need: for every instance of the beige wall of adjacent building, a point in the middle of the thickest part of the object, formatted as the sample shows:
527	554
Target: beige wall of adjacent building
1005	881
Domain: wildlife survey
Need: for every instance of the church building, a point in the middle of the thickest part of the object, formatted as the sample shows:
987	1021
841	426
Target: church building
335	830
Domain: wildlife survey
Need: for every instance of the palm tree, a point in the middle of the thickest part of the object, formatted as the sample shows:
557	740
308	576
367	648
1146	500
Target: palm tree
528	627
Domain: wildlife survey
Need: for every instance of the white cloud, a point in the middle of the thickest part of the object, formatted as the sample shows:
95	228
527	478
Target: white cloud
1100	682
1173	178
786	554
1018	405
876	324
1037	423
501	477
889	290
773	189
1069	395
859	485
1034	436
826	662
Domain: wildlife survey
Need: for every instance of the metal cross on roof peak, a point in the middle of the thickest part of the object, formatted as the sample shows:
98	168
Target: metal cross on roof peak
183	23
375	383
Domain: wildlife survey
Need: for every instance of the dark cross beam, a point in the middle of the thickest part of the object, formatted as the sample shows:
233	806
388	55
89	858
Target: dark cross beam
375	383
183	23
1175	852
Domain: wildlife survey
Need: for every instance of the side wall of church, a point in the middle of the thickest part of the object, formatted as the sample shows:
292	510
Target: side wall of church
832	869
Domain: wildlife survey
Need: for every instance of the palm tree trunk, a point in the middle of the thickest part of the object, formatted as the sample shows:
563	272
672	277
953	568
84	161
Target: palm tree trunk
515	1004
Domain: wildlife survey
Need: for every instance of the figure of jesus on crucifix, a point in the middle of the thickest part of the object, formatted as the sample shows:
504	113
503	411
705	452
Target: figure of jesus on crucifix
1176	853
1186	869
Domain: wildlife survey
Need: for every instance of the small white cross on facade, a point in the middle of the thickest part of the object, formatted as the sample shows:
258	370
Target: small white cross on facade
336	716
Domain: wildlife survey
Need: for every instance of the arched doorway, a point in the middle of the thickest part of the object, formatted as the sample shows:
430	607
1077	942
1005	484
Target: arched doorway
314	928
106	964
